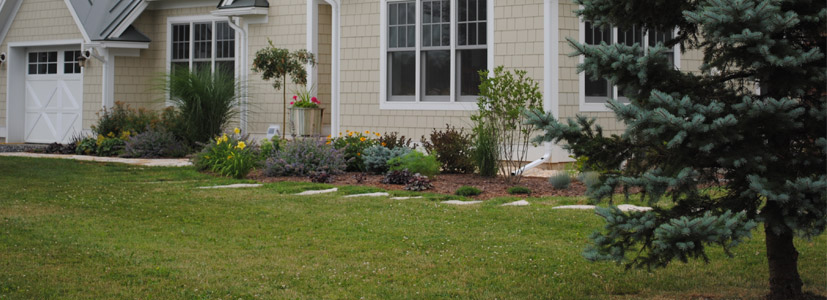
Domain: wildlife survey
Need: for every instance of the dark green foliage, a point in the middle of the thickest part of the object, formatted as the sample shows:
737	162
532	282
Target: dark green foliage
154	143
232	155
205	103
397	177
560	181
452	148
767	149
121	118
376	157
415	162
353	145
485	151
519	190
418	183
110	146
87	146
269	148
467	191
393	140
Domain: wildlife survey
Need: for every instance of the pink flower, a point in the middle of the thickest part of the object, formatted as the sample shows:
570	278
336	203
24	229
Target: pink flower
314	100
295	97
291	103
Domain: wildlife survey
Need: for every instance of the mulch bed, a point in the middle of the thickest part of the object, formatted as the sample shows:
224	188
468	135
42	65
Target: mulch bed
448	184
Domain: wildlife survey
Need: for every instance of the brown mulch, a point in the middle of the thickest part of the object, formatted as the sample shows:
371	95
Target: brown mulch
448	184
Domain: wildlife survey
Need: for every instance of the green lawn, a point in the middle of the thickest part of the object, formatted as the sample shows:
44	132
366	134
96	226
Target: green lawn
87	230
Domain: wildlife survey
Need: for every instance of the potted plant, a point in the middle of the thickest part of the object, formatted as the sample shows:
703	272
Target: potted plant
305	113
277	63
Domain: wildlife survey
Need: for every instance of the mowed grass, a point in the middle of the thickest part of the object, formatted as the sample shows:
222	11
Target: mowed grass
81	230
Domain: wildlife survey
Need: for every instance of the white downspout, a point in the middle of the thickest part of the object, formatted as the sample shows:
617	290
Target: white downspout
242	65
551	73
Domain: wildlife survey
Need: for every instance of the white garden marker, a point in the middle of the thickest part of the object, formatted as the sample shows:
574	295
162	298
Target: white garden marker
316	192
582	207
517	203
406	198
459	202
231	186
629	207
379	194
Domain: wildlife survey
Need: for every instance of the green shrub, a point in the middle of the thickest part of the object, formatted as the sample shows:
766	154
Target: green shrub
515	190
485	151
228	156
376	157
154	143
353	145
205	103
269	148
467	191
305	156
121	119
415	162
86	146
452	148
560	181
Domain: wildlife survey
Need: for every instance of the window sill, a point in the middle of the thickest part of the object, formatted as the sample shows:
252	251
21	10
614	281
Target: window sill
594	107
468	106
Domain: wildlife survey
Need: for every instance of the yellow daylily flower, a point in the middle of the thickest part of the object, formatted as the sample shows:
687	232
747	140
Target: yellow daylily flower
362	139
367	131
237	131
241	145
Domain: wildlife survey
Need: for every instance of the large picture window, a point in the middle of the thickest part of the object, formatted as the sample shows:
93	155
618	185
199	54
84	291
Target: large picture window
444	42
596	92
202	45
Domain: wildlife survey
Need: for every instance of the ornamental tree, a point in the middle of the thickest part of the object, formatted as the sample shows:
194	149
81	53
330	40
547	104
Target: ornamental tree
751	122
277	63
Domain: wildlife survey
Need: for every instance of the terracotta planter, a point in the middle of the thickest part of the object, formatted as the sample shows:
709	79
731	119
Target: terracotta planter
306	121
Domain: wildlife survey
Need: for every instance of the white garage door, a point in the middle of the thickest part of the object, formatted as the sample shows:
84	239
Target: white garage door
54	91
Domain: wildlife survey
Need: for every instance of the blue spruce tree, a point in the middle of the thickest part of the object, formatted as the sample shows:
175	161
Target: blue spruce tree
754	122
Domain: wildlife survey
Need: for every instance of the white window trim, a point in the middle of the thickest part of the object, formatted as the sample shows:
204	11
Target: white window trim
418	104
191	20
603	107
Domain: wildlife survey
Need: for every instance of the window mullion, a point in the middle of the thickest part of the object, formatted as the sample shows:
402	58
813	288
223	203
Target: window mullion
417	52
192	44
452	8
213	55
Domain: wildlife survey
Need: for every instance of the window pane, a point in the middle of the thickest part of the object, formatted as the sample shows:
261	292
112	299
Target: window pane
630	37
33	57
42	57
41	69
462	10
437	71
482	12
392	37
411	10
597	88
179	66
402	69
427	12
471	62
472	10
393	15
411	38
203	40
53	56
227	67
32	69
462	34
199	66
595	36
436	35
472	34
482	34
426	36
445	12
446	35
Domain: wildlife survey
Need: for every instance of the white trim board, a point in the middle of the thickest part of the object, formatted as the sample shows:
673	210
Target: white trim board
77	20
4	28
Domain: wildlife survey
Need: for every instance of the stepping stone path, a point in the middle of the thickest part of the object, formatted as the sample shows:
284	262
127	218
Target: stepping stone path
458	202
379	194
517	203
316	192
622	207
231	186
406	198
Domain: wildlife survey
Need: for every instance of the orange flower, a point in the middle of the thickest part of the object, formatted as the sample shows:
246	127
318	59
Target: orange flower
358	154
362	139
367	131
383	144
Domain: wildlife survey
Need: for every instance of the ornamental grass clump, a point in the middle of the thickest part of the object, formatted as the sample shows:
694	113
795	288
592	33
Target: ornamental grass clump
560	181
205	102
305	156
228	155
376	157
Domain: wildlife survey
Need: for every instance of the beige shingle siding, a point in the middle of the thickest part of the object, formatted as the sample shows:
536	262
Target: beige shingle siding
43	20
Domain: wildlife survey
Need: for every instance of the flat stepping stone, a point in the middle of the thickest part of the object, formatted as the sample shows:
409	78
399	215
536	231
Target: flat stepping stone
231	186
459	202
629	207
582	207
379	194
316	192
406	198
517	203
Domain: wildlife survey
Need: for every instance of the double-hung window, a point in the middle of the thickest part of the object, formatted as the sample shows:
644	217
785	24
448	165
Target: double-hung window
434	51
595	93
198	45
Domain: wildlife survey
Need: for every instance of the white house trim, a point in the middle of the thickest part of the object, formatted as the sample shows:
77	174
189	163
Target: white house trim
418	104
77	21
242	11
166	4
312	44
130	18
4	27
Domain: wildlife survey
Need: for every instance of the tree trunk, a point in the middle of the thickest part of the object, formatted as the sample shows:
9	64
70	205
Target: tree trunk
284	107
785	283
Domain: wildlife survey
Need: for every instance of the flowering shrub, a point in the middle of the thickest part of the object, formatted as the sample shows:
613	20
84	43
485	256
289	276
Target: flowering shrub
415	162
304	99
393	140
121	118
154	143
376	157
228	156
353	144
305	156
